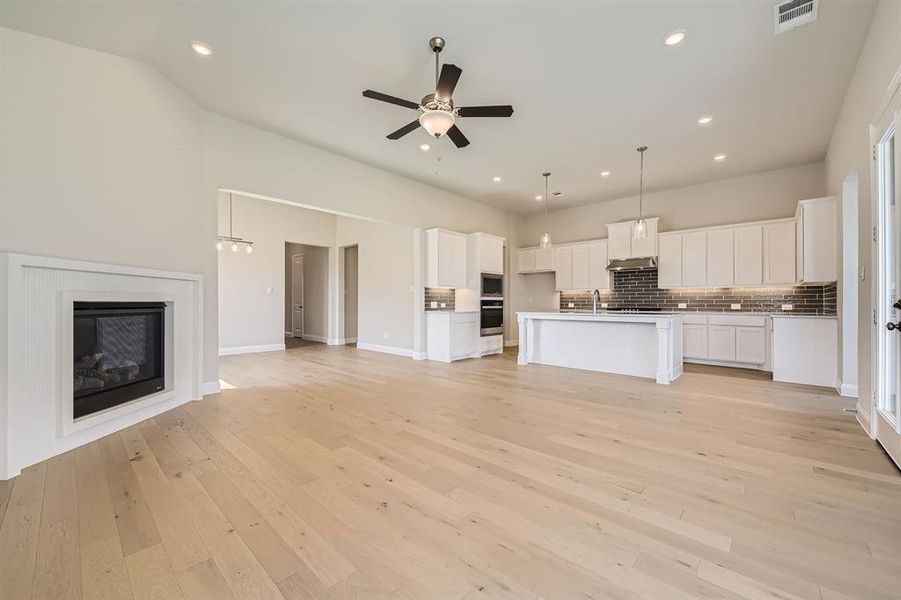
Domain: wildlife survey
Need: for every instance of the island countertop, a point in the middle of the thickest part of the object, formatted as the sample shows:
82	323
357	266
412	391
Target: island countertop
643	317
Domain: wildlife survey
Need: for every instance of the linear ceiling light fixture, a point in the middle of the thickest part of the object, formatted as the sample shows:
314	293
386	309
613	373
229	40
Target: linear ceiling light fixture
233	242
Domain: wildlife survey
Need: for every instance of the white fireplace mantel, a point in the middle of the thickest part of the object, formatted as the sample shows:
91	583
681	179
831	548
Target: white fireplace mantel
36	300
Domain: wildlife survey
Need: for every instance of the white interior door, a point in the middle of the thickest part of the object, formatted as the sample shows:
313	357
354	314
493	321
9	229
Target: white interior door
886	417
297	294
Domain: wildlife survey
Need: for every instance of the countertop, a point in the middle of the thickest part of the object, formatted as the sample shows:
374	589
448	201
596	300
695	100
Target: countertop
740	313
613	317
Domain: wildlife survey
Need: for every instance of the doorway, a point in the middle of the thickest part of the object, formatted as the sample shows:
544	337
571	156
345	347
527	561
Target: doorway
886	412
351	294
297	296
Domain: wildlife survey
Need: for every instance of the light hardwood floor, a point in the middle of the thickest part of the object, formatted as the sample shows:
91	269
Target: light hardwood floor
333	473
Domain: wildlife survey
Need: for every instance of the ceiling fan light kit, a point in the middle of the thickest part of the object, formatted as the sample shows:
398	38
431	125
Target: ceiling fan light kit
439	115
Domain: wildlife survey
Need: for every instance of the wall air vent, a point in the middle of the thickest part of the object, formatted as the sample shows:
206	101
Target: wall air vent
794	13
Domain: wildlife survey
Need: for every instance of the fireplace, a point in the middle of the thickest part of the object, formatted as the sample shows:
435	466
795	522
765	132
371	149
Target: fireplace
118	353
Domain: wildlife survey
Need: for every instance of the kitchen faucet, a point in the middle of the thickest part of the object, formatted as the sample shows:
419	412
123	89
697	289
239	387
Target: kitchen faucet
596	297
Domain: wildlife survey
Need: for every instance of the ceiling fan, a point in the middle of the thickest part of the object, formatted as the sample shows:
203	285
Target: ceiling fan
439	114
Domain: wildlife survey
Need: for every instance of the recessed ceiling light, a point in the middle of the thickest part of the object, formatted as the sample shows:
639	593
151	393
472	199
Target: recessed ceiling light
201	48
705	120
424	147
605	173
719	157
674	38
539	197
497	179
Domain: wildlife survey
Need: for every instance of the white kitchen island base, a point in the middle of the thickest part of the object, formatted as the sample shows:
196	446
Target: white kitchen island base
642	345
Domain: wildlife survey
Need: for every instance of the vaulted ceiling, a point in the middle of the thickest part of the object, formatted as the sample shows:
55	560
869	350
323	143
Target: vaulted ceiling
589	82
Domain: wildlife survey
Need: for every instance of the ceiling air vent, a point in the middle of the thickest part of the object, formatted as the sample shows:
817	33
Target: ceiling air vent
794	13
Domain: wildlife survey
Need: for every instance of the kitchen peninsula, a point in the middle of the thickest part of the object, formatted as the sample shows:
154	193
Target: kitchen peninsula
641	344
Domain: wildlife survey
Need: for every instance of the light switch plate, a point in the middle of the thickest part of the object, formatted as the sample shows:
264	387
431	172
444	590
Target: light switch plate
682	305
603	305
433	304
571	305
735	306
269	291
788	307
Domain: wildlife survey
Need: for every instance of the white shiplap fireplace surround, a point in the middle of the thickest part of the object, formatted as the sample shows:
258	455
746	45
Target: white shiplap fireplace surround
36	311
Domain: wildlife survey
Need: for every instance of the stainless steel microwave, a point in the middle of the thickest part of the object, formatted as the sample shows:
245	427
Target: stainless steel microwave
492	286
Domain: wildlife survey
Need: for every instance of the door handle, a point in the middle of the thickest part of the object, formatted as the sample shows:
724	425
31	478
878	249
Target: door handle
897	305
893	326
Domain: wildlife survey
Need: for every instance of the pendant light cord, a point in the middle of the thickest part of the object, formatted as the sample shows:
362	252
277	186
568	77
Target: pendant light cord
546	175
231	233
641	150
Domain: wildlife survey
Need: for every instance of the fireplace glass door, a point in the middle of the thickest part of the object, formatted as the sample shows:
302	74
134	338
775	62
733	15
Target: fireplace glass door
118	353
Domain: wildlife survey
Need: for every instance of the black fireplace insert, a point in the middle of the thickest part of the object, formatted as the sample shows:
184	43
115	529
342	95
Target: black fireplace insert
118	353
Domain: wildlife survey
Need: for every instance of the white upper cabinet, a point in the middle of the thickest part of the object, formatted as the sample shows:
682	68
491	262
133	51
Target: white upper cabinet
622	243
534	260
491	254
598	275
563	267
446	258
669	261
779	252
619	240
749	255
694	259
720	263
817	243
525	260
581	267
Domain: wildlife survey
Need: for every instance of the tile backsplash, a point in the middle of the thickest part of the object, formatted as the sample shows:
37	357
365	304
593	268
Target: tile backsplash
439	295
638	289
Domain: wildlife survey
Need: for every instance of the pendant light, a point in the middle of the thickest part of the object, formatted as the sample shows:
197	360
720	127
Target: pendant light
641	230
234	243
544	242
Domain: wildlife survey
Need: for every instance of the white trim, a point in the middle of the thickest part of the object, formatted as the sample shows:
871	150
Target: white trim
211	387
250	349
350	340
419	356
511	343
335	342
846	390
385	349
893	87
289	334
314	338
864	419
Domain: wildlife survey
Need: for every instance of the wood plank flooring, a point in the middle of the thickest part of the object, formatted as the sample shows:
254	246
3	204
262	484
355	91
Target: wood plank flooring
338	474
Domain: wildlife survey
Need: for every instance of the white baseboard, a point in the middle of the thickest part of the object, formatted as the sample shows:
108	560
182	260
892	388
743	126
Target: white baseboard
846	389
211	387
511	343
314	338
864	419
386	349
289	334
336	342
419	355
250	349
352	340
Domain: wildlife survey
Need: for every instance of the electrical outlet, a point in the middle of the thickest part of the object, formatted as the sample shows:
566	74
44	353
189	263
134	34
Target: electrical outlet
603	305
571	305
444	305
385	335
433	304
682	305
788	307
735	306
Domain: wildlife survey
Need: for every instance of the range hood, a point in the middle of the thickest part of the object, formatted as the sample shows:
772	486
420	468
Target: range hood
632	264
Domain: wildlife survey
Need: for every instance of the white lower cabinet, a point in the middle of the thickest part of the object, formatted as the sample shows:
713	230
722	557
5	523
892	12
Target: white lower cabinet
451	335
721	343
739	340
694	341
491	344
805	350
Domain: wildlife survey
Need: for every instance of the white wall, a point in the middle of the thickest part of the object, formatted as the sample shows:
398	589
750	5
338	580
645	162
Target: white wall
384	283
248	314
849	152
351	293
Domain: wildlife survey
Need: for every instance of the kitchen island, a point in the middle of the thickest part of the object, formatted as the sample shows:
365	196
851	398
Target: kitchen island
638	344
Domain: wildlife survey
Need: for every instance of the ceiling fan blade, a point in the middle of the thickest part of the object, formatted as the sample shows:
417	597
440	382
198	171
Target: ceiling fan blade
396	135
504	110
390	99
457	137
447	81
